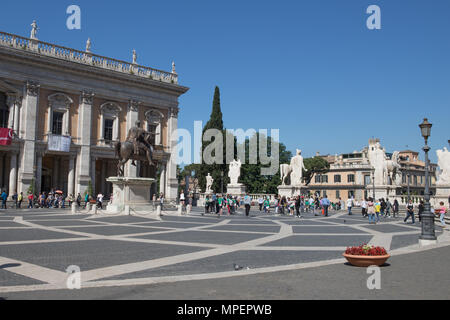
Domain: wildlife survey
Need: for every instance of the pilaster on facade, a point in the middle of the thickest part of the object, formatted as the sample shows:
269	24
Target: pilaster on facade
171	184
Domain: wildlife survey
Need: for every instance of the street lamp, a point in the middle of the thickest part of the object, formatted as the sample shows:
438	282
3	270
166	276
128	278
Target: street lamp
428	235
373	183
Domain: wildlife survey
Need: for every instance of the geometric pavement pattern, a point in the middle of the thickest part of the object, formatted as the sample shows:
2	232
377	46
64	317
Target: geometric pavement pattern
38	245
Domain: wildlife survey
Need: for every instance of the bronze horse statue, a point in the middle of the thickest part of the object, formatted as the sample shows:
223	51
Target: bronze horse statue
125	152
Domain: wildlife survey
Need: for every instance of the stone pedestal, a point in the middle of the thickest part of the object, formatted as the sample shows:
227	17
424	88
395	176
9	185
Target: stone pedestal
236	189
442	194
131	195
290	191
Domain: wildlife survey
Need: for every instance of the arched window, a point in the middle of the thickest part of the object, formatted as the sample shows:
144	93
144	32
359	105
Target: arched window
109	122
4	111
154	124
58	114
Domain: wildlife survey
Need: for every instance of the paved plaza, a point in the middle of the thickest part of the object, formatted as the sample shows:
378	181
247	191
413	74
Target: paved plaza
171	257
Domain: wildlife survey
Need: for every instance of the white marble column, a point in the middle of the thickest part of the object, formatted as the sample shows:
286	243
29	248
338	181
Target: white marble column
28	151
162	179
171	173
13	173
71	177
83	170
132	117
39	156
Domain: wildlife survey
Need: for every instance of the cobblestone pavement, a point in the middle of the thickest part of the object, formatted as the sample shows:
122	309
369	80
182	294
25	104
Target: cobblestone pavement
37	246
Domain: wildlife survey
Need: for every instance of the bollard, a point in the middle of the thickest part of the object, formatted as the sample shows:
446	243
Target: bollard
74	208
88	207
127	210
158	210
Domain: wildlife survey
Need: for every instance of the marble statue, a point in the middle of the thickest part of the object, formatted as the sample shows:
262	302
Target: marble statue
173	67
134	57
443	177
234	171
393	167
297	167
34	30
209	182
88	45
378	160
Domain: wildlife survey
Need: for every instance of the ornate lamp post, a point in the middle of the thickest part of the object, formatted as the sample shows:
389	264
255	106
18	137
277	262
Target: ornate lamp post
428	235
373	183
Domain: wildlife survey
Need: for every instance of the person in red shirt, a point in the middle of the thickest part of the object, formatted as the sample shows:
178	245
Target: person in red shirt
30	200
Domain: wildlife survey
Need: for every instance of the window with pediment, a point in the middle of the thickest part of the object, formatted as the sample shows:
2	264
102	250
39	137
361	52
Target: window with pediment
4	111
109	122
58	114
154	120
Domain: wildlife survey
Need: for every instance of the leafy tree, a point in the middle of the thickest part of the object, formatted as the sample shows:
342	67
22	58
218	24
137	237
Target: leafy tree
251	175
31	188
315	165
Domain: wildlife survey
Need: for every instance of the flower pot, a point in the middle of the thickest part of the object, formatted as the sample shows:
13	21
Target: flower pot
366	261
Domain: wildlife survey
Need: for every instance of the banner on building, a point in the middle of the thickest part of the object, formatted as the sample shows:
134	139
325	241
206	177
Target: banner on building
59	143
6	136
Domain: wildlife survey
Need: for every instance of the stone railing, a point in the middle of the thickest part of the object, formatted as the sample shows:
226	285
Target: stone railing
87	58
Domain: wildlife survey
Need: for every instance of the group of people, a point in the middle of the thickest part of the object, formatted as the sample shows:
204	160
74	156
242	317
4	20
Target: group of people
379	208
218	203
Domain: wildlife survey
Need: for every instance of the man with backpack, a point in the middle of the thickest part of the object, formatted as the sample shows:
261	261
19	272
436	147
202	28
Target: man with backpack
409	211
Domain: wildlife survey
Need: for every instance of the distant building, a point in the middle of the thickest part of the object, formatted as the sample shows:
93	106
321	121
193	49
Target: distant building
350	176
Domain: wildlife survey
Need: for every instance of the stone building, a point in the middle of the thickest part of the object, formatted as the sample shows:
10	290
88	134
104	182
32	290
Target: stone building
67	109
350	175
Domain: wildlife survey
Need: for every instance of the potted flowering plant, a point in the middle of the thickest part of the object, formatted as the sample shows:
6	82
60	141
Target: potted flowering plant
365	255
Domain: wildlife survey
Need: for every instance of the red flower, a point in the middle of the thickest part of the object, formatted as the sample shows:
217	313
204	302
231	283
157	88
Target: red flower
365	250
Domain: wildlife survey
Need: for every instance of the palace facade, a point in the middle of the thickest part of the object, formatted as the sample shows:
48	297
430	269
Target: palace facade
67	109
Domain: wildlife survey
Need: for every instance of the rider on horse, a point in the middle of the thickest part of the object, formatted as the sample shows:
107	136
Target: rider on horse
138	137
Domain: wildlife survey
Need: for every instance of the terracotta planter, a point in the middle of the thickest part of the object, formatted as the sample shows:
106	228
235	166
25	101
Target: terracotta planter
366	261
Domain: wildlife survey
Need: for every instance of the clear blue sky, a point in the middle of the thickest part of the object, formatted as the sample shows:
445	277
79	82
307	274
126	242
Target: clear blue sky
308	67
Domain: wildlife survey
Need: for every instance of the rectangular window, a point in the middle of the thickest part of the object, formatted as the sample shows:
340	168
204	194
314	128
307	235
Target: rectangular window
403	178
317	178
337	178
57	123
324	179
108	131
325	193
351	194
4	112
351	178
338	194
367	180
415	180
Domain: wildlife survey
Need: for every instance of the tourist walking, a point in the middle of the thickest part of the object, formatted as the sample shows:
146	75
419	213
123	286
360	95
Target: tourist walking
325	204
371	211
4	196
378	209
161	200
30	200
388	208
364	208
349	206
442	211
260	203
15	199
100	201
247	203
409	211
395	208
20	199
266	205
79	200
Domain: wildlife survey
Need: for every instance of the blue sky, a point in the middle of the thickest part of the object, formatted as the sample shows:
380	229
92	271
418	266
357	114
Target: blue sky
310	68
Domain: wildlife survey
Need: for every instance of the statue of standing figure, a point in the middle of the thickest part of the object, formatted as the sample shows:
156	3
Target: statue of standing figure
134	57
34	30
209	182
88	45
234	171
297	167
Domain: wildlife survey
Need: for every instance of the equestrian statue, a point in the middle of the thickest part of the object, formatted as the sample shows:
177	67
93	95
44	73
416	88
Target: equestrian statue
137	146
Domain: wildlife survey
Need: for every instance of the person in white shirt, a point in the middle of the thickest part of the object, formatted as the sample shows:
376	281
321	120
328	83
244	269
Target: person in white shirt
260	203
364	207
349	206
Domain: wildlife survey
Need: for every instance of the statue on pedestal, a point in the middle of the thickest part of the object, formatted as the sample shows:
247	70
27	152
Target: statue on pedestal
443	177
88	45
134	57
209	182
234	171
297	169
